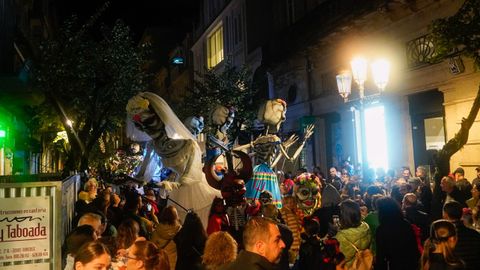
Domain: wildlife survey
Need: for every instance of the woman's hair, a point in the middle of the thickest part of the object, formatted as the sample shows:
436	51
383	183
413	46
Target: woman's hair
216	201
220	249
91	183
311	226
168	215
389	211
152	257
440	232
192	234
127	233
90	251
350	216
78	237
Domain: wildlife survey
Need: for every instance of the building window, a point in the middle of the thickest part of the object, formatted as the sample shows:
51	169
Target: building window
215	47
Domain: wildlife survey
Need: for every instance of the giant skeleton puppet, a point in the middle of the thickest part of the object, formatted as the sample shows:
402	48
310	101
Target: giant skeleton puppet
222	118
232	183
178	150
269	149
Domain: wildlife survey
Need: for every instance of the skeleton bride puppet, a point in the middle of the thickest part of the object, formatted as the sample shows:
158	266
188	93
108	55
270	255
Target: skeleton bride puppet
178	150
268	150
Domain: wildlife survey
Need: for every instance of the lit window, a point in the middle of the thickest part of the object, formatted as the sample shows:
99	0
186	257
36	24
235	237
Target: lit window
215	48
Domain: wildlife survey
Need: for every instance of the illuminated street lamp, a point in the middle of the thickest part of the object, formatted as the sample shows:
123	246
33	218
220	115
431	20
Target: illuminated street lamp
380	72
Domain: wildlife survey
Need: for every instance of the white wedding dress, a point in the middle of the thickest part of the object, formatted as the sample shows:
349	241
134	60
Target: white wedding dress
191	189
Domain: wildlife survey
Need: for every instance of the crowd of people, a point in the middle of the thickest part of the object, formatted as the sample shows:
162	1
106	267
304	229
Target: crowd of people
383	222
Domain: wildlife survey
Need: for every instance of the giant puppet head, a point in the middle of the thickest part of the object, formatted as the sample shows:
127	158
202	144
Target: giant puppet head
272	114
223	117
232	183
307	192
195	124
153	116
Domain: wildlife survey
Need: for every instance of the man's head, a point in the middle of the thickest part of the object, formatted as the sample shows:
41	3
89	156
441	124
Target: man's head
333	172
94	220
406	174
262	236
447	184
409	200
265	197
452	211
421	172
459	174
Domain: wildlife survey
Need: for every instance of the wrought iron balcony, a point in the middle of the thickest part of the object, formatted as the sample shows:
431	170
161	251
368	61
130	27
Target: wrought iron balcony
421	52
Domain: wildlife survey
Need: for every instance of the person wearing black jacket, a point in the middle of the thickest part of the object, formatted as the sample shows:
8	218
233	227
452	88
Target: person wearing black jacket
334	179
396	242
190	241
415	216
263	246
316	253
448	185
468	243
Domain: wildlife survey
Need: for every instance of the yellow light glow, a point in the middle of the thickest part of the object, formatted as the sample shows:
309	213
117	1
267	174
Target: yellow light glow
344	83
381	73
359	70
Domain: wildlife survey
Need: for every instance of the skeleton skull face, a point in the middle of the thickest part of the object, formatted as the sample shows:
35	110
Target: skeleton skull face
273	113
223	117
143	117
307	192
194	124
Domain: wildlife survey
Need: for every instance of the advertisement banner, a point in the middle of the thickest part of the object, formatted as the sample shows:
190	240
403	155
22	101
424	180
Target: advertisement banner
25	229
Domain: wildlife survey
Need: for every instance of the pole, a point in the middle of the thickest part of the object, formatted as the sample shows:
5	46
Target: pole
363	140
354	128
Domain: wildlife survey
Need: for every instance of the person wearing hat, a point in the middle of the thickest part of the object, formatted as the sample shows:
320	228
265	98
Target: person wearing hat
477	179
462	183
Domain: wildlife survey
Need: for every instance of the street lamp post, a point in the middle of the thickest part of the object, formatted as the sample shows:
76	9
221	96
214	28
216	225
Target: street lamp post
380	72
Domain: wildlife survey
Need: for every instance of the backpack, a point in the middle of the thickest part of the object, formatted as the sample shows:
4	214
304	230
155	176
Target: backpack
363	259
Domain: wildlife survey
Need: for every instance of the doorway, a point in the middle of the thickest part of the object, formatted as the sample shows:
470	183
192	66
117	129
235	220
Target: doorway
428	130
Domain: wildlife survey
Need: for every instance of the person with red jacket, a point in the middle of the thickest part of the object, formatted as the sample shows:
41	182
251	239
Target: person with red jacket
218	219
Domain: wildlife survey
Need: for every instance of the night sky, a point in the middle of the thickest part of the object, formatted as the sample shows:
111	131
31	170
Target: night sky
175	15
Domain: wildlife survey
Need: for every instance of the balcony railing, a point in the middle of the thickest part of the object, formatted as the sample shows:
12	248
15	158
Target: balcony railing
421	52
